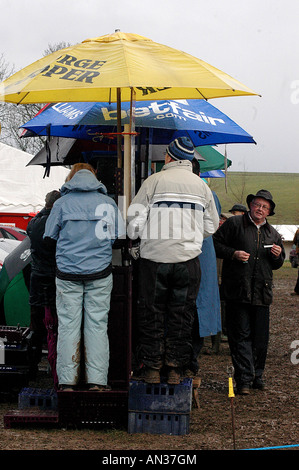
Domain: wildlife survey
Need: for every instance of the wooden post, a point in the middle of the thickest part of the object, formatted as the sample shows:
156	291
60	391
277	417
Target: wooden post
127	166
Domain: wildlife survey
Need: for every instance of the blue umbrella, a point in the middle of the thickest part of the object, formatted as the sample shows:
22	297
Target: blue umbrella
168	119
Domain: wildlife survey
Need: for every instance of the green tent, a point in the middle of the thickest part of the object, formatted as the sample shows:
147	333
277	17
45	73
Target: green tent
214	159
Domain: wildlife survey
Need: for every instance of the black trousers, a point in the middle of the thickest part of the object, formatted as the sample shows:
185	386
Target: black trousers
166	309
42	293
248	337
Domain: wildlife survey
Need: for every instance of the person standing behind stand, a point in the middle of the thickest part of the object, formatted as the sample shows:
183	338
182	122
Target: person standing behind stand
172	212
251	248
207	319
42	290
85	222
238	209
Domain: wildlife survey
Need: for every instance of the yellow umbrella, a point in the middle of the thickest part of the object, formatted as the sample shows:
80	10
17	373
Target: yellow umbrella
119	67
94	69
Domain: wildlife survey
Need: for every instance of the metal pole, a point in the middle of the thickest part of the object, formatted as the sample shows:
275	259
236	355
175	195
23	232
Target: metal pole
119	137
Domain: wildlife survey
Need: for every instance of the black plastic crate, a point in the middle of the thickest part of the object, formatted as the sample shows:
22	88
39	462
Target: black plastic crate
93	409
175	424
13	377
17	354
161	397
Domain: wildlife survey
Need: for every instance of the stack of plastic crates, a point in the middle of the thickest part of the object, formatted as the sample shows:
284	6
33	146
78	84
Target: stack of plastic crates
35	406
107	409
44	399
160	408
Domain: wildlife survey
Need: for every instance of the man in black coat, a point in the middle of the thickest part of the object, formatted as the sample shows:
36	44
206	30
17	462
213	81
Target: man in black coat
251	249
42	278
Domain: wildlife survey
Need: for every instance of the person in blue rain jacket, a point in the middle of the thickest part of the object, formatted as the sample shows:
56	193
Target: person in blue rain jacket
85	223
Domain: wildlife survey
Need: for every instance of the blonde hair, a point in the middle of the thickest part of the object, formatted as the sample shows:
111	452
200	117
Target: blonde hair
77	167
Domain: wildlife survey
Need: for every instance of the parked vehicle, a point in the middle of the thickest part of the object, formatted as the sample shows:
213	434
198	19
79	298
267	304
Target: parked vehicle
13	233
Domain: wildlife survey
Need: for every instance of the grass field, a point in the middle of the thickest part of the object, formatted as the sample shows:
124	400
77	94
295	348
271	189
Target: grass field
286	272
283	186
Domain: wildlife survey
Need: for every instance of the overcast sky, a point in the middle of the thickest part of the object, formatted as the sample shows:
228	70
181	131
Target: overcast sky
255	41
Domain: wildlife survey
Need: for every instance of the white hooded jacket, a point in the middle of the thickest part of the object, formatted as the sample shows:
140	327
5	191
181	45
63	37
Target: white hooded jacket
172	213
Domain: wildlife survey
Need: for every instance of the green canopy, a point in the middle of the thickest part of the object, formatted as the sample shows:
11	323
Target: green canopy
16	302
214	159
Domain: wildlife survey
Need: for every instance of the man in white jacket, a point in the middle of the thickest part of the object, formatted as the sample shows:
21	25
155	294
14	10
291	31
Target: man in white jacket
171	214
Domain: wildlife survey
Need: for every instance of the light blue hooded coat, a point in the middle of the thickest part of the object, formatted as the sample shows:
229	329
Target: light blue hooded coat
85	222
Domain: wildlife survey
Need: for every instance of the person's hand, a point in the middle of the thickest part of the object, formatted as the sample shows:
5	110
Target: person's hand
276	250
241	256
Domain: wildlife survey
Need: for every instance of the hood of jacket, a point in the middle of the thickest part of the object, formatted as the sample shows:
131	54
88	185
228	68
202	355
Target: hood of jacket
183	164
83	180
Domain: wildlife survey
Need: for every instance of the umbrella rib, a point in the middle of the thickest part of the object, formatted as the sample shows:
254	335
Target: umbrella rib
201	94
19	102
125	55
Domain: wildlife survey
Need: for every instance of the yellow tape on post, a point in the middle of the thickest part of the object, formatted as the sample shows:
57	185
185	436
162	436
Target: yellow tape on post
230	388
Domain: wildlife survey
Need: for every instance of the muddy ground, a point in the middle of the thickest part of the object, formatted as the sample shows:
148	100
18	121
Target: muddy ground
263	419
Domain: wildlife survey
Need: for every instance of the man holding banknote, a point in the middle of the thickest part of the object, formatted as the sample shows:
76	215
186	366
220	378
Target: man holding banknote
251	249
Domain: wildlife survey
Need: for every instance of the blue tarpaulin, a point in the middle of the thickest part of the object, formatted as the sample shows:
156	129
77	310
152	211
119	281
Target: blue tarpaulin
208	298
213	174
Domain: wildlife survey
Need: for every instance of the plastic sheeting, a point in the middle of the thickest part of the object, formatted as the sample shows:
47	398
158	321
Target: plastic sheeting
23	189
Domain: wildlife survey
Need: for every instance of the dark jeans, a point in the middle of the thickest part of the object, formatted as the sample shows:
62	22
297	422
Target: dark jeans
165	312
296	289
248	337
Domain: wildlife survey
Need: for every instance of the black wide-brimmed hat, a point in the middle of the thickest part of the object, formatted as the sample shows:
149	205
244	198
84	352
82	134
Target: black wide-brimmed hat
263	193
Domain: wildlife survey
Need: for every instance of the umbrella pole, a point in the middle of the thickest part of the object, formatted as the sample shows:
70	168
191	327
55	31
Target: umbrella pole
127	166
225	168
119	137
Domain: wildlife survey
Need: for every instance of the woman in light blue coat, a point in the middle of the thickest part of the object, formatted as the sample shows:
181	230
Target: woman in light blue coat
85	222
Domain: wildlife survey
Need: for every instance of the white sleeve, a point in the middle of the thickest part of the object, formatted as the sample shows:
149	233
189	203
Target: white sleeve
211	217
138	213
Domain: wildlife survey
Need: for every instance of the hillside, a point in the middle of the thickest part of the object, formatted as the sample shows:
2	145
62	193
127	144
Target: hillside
283	186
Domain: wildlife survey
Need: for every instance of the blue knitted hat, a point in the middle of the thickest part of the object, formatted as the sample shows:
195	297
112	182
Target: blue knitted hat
181	149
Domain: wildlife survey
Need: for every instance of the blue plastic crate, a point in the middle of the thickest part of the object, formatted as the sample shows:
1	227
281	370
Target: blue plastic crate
44	399
158	423
161	397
